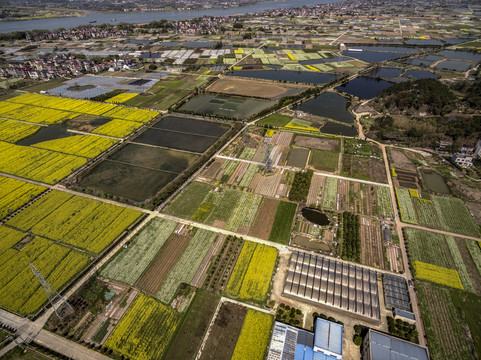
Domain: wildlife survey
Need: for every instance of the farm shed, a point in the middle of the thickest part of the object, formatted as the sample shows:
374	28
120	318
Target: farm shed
380	346
291	343
322	280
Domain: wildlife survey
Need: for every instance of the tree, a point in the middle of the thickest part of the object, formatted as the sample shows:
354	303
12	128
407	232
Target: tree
152	67
358	340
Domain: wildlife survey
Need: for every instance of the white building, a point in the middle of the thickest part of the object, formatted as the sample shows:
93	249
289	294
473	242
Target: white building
463	160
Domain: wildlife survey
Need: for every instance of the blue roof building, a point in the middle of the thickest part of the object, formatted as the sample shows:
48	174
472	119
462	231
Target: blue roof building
291	343
328	338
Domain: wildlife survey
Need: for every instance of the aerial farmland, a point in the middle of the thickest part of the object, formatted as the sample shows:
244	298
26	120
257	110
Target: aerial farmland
230	187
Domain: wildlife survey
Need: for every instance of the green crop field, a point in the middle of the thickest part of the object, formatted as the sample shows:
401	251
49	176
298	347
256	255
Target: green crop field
324	160
187	202
329	197
224	204
193	326
384	201
428	247
276	120
455	216
129	264
187	265
445	311
281	229
406	207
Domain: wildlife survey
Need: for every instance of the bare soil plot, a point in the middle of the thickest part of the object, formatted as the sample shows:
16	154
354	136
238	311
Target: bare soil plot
238	173
168	255
317	143
372	252
225	331
268	185
265	219
255	180
400	160
312	244
260	154
213	169
298	158
317	183
282	138
262	89
343	195
219	224
475	210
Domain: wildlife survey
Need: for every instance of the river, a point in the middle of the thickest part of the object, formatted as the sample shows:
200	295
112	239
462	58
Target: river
145	17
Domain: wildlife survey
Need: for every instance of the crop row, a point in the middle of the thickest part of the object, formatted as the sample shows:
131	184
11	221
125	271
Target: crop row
252	274
384	201
19	289
130	263
437	274
426	213
406	207
145	331
37	164
81	222
455	216
14	193
428	247
281	229
247	153
117	128
244	212
475	252
329	197
459	262
254	338
88	146
187	265
249	175
13	131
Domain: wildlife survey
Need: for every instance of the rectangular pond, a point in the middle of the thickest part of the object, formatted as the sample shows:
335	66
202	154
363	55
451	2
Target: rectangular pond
434	181
128	181
227	106
176	140
193	126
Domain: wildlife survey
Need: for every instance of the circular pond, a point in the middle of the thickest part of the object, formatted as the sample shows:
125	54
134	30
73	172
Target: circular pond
315	216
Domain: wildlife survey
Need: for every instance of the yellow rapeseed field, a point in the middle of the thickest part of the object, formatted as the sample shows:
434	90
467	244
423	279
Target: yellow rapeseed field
121	98
437	274
145	330
251	277
254	337
118	128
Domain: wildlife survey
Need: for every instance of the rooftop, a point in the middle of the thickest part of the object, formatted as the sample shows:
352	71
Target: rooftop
385	347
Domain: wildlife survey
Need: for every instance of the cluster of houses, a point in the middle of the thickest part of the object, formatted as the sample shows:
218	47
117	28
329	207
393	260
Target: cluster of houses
60	65
84	33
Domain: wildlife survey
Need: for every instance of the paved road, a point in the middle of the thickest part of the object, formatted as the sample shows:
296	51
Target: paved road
407	271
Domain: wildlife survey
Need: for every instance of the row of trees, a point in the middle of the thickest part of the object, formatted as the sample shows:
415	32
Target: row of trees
351	239
300	186
402	329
